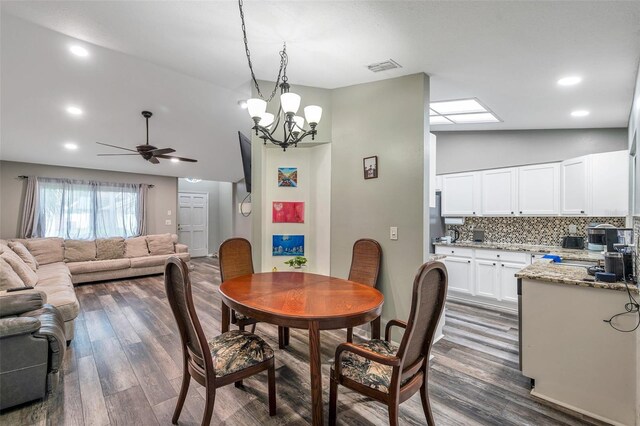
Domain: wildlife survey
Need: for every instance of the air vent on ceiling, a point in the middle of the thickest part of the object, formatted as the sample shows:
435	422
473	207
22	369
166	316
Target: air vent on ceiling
384	66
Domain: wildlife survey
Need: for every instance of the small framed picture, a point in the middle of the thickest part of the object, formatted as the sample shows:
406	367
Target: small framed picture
370	167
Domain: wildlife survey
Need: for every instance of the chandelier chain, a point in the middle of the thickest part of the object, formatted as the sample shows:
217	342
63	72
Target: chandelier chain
282	72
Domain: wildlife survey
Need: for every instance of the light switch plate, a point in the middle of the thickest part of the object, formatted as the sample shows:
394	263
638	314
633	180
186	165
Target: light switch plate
167	222
393	233
168	212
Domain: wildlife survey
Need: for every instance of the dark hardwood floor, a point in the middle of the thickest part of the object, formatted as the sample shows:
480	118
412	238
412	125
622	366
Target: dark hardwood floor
124	368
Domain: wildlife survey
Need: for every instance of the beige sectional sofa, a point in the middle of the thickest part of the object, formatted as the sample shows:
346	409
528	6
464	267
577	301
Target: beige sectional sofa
62	263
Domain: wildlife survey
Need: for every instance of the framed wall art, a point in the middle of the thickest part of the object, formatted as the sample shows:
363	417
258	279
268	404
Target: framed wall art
288	245
288	212
288	177
370	165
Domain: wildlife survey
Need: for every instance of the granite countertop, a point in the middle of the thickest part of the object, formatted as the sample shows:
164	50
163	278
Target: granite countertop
547	271
565	254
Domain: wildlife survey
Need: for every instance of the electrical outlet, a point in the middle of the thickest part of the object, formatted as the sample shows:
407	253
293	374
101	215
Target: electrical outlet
167	222
393	233
573	229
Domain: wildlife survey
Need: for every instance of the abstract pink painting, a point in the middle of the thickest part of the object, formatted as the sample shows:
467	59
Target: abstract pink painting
288	212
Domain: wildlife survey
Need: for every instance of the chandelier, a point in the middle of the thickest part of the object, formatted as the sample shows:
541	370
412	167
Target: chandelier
266	124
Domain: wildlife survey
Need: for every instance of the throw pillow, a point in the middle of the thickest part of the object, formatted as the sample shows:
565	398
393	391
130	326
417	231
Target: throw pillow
46	250
136	247
160	244
24	254
27	276
8	277
79	250
110	248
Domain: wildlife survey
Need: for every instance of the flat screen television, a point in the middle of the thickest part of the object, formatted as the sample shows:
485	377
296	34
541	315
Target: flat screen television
245	152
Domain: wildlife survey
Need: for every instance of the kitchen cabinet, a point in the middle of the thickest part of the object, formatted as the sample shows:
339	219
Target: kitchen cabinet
574	191
499	192
486	278
508	281
610	184
538	188
461	194
460	274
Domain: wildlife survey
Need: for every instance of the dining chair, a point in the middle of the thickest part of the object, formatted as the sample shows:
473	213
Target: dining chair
236	260
225	359
365	266
385	371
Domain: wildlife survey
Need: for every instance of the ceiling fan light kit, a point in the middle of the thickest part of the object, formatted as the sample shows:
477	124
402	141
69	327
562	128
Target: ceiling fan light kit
293	131
149	152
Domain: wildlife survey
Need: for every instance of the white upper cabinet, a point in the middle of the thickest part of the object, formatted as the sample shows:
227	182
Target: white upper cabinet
499	192
538	188
574	192
610	184
461	194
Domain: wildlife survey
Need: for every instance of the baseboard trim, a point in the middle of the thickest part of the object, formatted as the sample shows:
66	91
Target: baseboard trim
483	304
576	409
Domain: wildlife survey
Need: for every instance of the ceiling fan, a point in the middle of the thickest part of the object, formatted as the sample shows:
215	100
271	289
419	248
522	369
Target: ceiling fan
149	152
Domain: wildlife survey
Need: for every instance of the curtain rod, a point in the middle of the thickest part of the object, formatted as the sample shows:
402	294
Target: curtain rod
150	185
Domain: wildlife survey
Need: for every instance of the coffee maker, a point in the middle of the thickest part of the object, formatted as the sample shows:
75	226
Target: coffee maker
618	259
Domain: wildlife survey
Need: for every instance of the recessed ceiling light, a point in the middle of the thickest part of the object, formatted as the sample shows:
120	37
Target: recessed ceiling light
438	119
485	117
71	146
459	106
242	104
579	113
175	160
569	81
73	110
79	51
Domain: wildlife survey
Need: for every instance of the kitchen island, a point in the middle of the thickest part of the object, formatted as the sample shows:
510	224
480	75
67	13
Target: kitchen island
575	358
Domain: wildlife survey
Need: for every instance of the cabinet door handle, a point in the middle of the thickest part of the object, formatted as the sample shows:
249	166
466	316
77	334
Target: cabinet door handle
498	255
494	263
503	264
468	261
581	211
520	211
451	251
511	212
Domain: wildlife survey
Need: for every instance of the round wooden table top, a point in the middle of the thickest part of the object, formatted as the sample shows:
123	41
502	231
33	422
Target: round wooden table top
294	298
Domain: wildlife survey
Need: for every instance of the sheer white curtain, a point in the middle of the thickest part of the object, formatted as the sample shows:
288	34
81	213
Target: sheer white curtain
76	209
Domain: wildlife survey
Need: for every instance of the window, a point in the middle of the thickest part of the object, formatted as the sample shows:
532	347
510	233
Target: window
87	210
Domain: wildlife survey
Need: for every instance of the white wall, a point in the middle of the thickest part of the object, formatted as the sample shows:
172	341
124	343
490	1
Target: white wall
313	189
241	224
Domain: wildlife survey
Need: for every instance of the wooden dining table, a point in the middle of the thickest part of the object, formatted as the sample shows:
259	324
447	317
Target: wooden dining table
304	301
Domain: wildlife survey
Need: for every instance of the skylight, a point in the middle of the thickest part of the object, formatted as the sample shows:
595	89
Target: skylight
460	111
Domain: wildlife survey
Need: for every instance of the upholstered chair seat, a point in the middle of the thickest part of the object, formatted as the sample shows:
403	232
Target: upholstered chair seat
236	350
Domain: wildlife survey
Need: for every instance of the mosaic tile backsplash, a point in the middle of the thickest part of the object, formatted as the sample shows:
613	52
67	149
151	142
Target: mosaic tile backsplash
531	230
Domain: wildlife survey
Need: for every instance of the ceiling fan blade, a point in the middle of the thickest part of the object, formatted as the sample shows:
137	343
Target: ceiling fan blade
114	146
168	157
154	160
162	151
108	155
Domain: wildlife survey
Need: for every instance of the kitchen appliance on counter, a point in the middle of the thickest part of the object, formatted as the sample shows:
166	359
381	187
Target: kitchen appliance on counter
573	242
454	235
597	236
478	235
618	259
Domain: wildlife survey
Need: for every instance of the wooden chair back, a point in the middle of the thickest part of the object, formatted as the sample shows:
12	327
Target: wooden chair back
427	304
194	343
235	258
365	262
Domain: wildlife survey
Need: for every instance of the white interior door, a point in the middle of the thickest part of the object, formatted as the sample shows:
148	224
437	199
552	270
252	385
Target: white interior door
193	219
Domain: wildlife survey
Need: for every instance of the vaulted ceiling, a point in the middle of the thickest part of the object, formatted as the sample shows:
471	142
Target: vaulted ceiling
185	62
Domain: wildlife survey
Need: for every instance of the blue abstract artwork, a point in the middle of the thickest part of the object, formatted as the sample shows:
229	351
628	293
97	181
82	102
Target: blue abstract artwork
288	245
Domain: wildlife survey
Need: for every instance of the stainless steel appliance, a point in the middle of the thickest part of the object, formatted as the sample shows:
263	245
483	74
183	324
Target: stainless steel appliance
573	242
597	236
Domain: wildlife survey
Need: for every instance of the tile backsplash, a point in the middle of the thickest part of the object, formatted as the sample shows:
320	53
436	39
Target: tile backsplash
531	230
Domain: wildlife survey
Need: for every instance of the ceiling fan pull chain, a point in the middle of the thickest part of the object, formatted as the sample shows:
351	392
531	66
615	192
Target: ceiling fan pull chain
283	59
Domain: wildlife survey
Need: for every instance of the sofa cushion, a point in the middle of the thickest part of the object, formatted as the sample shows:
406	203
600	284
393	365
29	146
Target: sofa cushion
53	270
136	247
46	250
63	297
28	277
109	248
160	244
8	277
79	250
22	251
98	265
157	260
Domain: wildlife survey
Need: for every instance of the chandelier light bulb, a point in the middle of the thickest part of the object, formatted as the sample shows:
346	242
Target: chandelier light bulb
256	107
313	113
290	102
299	124
266	120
